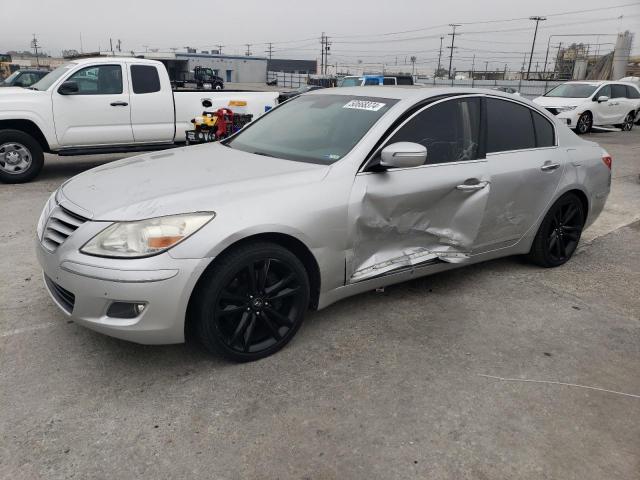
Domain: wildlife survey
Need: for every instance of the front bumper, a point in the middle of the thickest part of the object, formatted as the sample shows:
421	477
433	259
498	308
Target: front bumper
569	117
161	282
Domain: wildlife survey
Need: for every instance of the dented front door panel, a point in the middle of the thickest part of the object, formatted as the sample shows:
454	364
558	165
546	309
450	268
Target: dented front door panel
407	217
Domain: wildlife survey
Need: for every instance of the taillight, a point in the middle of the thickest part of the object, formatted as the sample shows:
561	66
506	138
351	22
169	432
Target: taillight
607	159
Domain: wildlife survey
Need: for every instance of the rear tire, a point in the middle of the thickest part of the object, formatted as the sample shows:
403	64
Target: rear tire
252	302
585	122
21	157
627	125
559	232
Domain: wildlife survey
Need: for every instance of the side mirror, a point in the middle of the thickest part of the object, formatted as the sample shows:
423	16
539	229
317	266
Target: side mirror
602	98
68	88
403	155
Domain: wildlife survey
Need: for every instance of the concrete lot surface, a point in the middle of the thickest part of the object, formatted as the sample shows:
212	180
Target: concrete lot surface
430	379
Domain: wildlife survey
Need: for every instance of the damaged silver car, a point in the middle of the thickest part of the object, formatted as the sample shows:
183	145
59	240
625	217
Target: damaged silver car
330	194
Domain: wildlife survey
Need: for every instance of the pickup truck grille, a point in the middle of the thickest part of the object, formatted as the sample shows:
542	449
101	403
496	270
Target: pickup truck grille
60	225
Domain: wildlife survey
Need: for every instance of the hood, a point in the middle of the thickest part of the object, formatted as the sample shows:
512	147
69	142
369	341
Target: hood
189	179
559	101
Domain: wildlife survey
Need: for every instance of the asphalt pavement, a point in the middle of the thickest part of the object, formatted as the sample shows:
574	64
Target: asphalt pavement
500	370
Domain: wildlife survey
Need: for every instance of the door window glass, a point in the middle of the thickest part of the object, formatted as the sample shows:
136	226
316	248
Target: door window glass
509	126
388	81
618	91
449	130
543	130
632	92
145	79
99	80
371	81
604	91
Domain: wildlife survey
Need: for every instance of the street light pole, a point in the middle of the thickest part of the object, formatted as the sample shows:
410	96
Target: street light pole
533	44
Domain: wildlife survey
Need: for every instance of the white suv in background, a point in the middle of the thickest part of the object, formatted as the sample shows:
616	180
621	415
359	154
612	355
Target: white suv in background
585	104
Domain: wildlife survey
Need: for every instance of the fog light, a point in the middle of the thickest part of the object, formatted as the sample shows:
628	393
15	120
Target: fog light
125	309
568	121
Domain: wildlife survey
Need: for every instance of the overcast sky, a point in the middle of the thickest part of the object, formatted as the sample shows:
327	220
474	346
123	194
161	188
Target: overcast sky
361	30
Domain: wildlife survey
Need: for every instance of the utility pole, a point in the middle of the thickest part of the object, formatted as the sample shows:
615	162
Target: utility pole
111	45
326	53
486	67
81	50
473	64
453	38
119	45
322	53
248	52
219	49
439	57
34	45
533	44
270	50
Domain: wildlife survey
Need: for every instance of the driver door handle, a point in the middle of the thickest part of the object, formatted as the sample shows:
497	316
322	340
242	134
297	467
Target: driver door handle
465	187
548	167
119	104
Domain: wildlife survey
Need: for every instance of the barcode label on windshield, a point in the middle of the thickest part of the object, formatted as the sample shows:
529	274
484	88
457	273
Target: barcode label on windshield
364	105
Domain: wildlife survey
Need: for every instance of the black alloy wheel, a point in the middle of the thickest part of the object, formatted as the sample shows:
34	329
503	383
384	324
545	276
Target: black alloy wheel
253	302
559	233
585	122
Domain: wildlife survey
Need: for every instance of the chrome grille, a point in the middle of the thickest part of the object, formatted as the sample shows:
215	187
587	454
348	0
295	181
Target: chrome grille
60	225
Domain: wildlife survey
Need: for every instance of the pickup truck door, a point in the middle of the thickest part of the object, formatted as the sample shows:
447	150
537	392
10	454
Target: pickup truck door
98	113
152	108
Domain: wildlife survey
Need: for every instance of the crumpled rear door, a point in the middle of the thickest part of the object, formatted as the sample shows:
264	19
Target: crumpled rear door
404	218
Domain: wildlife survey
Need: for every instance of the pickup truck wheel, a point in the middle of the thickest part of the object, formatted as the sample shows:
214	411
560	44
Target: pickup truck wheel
21	157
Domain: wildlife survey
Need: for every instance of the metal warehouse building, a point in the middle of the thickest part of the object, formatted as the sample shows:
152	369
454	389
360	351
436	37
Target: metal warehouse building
232	68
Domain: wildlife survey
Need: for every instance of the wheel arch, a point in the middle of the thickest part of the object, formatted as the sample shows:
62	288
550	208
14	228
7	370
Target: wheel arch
291	243
28	127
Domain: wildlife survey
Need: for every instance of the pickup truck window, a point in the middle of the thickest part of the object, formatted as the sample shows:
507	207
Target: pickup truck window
145	79
98	80
49	79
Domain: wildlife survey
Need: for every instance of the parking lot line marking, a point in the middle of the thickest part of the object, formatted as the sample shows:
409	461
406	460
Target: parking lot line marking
550	382
18	331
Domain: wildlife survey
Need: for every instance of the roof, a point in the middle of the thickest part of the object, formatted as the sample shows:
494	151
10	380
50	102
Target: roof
82	61
409	92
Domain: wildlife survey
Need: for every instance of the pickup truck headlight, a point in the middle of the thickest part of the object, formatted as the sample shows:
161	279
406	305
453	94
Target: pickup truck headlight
145	237
565	109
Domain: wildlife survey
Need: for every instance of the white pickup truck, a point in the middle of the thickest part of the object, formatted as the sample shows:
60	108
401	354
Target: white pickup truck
104	105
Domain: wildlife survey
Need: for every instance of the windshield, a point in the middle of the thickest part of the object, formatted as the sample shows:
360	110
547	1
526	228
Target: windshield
572	90
51	77
312	128
351	82
11	78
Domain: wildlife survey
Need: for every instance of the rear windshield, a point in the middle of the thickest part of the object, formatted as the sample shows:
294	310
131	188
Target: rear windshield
312	128
351	82
572	90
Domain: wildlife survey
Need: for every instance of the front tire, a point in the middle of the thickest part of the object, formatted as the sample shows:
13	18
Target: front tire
585	122
252	302
559	232
21	157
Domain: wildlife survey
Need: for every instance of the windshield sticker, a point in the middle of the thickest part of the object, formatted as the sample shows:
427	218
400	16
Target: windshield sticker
332	156
364	105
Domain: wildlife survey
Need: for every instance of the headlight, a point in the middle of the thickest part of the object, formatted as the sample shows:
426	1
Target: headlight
145	237
565	109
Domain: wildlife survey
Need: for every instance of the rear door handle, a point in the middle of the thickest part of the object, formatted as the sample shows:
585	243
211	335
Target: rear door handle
119	104
465	187
548	167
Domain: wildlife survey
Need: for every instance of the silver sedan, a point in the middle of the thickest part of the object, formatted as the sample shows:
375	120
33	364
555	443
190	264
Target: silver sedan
333	193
